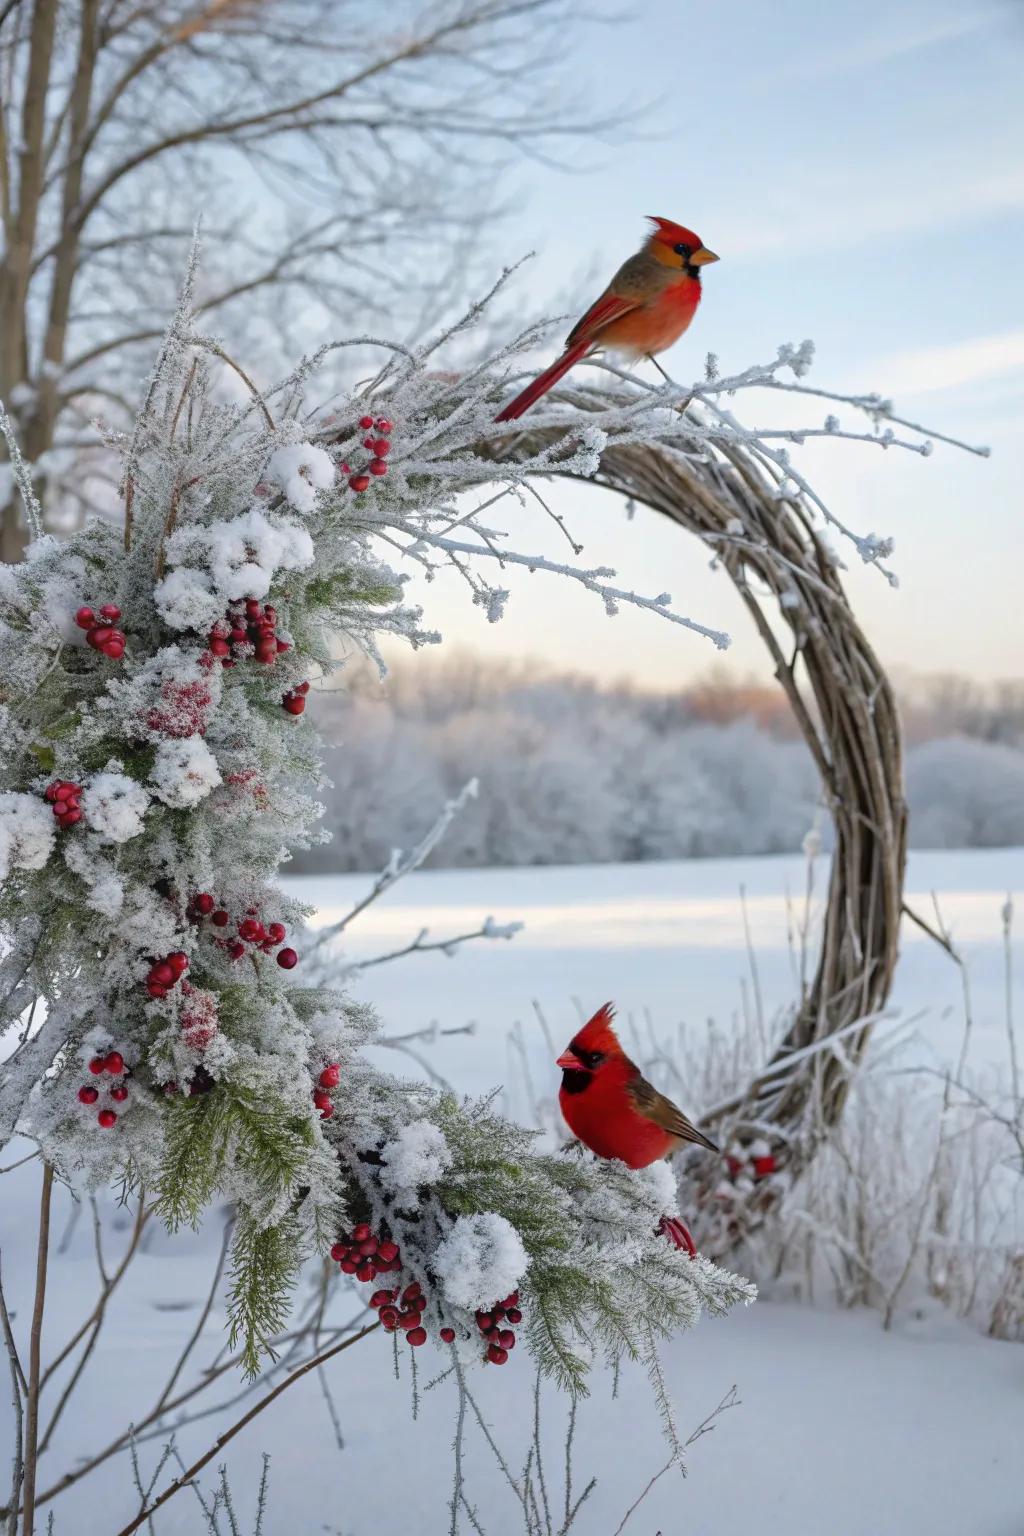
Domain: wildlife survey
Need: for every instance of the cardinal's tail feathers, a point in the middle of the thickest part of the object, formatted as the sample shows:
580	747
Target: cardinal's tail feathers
544	381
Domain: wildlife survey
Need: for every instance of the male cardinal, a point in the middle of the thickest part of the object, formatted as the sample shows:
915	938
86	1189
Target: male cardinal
646	307
612	1108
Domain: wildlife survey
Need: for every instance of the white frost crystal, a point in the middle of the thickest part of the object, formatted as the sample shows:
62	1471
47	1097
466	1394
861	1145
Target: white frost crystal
243	554
185	599
480	1261
27	832
418	1155
184	772
300	470
115	806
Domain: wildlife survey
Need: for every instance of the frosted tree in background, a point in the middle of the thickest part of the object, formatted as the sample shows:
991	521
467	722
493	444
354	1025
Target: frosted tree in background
330	148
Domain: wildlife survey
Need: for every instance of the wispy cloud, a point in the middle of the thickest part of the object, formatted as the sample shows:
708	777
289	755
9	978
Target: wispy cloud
883	46
833	213
929	369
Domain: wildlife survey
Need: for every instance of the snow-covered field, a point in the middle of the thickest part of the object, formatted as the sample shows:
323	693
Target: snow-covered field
842	1429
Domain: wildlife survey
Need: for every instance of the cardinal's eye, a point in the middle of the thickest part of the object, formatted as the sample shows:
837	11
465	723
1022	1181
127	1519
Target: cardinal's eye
683	250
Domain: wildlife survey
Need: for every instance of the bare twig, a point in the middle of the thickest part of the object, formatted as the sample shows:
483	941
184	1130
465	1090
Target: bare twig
35	1350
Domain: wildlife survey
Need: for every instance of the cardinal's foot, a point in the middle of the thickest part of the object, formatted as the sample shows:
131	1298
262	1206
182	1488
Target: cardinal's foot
679	1233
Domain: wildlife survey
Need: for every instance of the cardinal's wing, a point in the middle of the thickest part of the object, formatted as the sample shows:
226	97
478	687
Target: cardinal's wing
663	1112
610	306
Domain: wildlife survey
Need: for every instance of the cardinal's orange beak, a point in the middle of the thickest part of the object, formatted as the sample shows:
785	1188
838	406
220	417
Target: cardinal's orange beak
702	256
568	1061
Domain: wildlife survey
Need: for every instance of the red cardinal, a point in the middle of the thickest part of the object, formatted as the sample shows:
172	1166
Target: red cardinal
609	1104
646	307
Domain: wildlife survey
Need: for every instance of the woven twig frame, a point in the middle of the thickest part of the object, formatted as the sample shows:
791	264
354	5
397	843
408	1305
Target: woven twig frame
771	548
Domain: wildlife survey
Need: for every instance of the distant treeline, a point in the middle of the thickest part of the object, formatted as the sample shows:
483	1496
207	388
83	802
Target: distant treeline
573	772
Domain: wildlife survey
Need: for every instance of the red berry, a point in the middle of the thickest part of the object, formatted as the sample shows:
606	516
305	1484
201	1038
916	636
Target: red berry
388	1251
496	1355
514	1315
178	962
381	447
85	618
163	974
219	647
380	1299
366	422
51	792
349	1266
107	1118
368	442
251	930
359	482
330	1077
410	1318
321	1100
204	903
110	611
417	1336
99	635
235	950
448	1335
155	989
220	918
276	932
484	1321
366	1271
266	651
71	817
114	1063
97	1065
378	467
383	425
120	1093
339	1251
412	1291
113	650
270	614
511	1300
360	1232
327	1111
507	1339
294	703
302	688
389	1318
287	959
282	645
253	609
88	1095
368	1246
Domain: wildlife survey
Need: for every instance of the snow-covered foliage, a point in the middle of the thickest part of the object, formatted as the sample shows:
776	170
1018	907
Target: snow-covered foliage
158	771
574	773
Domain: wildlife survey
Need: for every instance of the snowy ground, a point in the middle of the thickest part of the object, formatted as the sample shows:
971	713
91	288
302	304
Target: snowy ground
842	1430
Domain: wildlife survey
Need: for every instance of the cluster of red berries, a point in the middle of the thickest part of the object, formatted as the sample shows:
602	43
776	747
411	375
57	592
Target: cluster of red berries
249	629
760	1160
363	1254
499	1340
379	447
366	1256
101	632
294	701
64	797
166	973
250	930
112	1063
329	1078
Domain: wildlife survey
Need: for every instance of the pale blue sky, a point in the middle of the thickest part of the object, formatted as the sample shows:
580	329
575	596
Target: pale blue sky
861	174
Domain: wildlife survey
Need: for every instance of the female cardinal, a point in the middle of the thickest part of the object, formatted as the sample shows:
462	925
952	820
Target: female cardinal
646	307
609	1104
